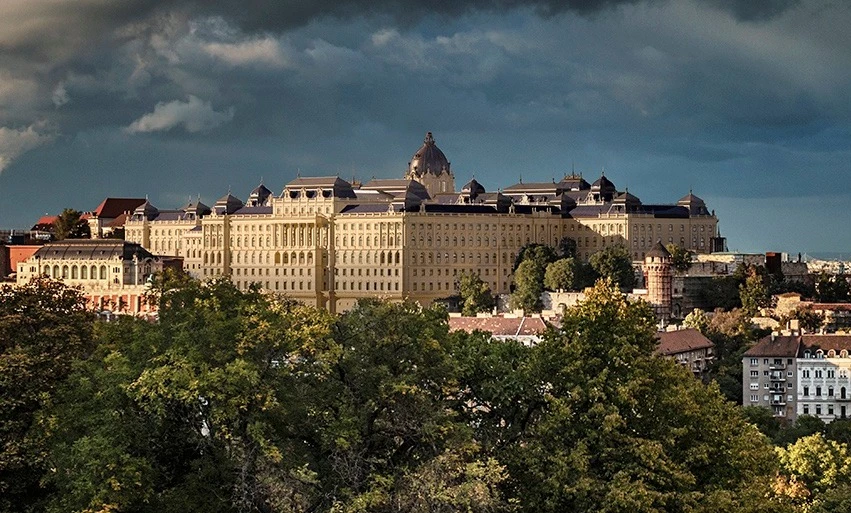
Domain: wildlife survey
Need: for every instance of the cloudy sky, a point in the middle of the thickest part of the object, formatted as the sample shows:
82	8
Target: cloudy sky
747	103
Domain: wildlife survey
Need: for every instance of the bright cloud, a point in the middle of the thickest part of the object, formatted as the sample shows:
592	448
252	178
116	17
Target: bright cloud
266	51
14	142
194	115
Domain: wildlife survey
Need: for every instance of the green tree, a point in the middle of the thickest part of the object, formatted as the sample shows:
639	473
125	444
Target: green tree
541	254
620	429
528	286
614	263
839	430
764	419
69	225
566	248
475	293
44	327
698	320
680	257
754	292
804	426
811	467
561	275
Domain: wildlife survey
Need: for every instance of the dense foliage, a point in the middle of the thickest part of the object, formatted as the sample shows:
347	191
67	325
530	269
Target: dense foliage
240	401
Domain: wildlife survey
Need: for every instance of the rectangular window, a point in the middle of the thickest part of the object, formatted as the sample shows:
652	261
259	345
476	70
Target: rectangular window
818	409
754	386
754	398
830	409
806	409
754	374
806	391
754	362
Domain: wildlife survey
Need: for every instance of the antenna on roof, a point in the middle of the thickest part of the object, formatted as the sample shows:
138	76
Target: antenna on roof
521	177
261	180
298	172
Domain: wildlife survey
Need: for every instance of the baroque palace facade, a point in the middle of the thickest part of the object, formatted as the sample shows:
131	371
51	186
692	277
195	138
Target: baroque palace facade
328	242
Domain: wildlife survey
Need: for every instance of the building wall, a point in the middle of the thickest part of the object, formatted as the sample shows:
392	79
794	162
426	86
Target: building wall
824	385
770	382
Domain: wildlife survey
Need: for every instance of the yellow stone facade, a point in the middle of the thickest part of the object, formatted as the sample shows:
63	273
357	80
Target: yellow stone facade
329	242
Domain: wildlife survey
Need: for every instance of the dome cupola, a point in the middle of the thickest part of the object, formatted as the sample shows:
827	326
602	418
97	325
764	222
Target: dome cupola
428	159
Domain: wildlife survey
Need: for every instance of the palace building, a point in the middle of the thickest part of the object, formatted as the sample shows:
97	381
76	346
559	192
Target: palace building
328	242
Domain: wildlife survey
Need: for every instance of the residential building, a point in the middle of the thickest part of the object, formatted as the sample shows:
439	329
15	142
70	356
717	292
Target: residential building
527	330
824	367
769	375
688	347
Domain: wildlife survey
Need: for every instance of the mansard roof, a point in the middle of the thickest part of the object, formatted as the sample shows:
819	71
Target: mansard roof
92	249
228	204
334	184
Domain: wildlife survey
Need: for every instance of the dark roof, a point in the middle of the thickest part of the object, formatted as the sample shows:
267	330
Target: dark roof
368	208
690	198
336	185
603	184
771	345
254	210
682	341
228	204
428	159
473	187
92	249
114	207
658	251
826	342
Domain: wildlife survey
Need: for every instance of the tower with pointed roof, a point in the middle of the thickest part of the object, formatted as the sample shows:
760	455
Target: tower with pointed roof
430	167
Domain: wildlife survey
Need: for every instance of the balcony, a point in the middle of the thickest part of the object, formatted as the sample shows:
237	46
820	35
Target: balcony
777	366
777	402
777	376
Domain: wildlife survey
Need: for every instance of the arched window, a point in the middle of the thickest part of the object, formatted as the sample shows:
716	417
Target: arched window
84	273
74	272
103	272
64	272
277	258
93	273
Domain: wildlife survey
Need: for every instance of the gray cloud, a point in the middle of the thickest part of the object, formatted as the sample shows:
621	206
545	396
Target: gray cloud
14	142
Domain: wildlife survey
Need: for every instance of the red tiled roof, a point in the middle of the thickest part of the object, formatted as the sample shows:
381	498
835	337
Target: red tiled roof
783	345
45	223
119	221
111	208
826	342
832	306
682	341
500	326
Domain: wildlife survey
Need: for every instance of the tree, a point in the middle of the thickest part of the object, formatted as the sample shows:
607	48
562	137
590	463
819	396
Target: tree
754	292
680	257
809	319
69	225
804	426
810	468
697	319
566	248
614	262
528	286
44	327
541	254
475	293
620	429
561	275
831	288
764	419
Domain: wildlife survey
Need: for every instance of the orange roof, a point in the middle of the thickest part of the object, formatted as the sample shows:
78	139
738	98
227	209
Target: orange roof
500	326
45	223
119	221
682	341
113	207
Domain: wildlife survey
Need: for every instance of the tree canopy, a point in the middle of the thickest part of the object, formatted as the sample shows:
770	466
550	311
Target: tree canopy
70	225
241	401
475	294
614	263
